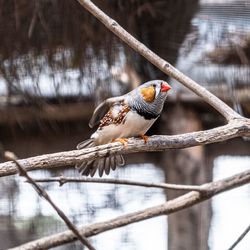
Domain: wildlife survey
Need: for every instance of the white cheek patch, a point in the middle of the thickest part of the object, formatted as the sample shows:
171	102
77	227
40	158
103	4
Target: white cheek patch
157	91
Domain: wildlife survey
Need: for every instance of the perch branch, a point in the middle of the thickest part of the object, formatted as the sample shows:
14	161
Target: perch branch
163	65
42	193
62	180
169	207
236	128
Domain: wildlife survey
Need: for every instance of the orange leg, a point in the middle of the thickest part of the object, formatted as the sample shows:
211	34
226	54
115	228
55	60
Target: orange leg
124	141
145	138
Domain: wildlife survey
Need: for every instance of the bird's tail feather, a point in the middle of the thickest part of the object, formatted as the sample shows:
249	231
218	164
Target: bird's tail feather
102	165
86	144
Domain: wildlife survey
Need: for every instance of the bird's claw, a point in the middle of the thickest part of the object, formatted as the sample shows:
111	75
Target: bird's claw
124	141
145	138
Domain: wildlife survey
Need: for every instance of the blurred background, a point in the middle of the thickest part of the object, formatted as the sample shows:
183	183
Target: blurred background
57	63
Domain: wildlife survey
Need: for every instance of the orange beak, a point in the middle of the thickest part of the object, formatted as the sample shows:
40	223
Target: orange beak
165	87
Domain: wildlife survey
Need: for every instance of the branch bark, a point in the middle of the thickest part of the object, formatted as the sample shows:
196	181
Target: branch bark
236	128
169	207
163	65
62	180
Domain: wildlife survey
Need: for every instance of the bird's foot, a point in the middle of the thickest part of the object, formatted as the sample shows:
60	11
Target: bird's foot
144	137
124	141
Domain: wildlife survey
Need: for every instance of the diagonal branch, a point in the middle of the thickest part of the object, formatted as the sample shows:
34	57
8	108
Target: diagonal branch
236	128
246	231
163	65
42	193
169	207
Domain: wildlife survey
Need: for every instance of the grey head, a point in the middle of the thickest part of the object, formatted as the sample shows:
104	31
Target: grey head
148	99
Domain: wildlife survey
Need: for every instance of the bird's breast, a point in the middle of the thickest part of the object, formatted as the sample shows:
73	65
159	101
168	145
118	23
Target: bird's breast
133	125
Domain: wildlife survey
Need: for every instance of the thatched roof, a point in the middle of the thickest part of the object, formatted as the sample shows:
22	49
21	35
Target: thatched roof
53	52
37	33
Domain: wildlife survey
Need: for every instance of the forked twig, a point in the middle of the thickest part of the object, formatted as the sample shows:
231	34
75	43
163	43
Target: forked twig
62	180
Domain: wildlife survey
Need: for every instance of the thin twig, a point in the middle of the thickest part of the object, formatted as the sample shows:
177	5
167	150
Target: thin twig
42	193
240	238
184	201
62	180
163	65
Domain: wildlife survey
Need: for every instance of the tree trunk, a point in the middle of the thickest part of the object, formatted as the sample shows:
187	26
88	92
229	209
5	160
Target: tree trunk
188	229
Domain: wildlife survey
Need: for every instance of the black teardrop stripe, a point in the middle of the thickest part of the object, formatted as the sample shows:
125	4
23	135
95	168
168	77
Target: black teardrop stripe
146	115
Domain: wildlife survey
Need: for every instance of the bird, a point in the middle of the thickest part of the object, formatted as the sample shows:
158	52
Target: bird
119	118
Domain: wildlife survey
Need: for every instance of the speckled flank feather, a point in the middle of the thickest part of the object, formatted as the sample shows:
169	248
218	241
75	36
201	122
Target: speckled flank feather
115	115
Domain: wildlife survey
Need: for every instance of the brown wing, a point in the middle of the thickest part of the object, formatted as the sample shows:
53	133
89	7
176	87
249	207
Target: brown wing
116	114
102	109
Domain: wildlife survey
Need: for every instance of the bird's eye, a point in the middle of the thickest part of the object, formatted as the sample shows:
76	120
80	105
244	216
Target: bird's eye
154	85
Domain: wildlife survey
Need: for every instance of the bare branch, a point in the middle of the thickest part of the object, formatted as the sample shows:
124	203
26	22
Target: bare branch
240	238
163	65
177	204
42	193
239	127
62	180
